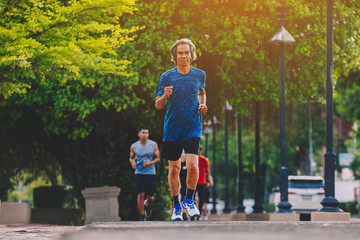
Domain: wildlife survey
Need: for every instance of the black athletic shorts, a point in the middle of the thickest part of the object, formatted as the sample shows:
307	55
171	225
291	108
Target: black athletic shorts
172	150
145	183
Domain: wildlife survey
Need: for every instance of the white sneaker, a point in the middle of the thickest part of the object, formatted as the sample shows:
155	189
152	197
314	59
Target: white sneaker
189	205
177	213
147	210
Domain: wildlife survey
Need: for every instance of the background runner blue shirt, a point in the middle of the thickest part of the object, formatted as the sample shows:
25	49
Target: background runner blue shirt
144	152
183	118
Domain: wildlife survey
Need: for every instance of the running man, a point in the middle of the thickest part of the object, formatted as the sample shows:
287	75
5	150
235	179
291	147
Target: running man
182	90
203	182
144	154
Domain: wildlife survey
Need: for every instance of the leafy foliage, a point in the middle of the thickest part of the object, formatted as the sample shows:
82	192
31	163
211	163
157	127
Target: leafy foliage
346	99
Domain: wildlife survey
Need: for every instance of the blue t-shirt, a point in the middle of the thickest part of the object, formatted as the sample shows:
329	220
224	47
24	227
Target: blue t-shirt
144	152
183	118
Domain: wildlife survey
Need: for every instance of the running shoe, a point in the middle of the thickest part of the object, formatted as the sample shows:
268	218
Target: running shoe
177	213
147	211
142	218
189	205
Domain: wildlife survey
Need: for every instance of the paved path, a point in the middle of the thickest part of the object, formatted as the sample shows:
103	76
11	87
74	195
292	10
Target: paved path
208	230
35	231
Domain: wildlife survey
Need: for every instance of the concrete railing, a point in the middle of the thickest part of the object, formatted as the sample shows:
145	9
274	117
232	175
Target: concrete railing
101	204
11	213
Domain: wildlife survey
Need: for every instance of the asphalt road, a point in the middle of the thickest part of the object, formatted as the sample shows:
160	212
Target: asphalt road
199	230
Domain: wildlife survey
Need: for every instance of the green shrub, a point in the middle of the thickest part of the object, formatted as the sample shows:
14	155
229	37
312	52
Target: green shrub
269	207
49	197
352	207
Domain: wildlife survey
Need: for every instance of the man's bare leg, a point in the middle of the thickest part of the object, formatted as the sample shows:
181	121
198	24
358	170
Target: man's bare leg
192	165
150	200
174	183
173	178
140	203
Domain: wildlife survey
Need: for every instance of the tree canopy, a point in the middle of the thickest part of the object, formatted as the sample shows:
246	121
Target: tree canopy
55	50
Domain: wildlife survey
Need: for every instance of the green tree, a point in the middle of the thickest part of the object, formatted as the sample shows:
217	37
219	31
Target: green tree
241	66
52	39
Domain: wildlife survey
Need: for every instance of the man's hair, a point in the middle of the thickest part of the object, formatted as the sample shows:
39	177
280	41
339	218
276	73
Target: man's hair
141	128
182	41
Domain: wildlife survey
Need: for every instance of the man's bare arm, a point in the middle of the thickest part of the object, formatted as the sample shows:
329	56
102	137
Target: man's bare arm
132	158
160	101
207	174
202	102
157	155
202	97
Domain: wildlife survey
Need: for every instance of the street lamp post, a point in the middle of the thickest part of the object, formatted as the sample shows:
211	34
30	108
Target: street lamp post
206	132
240	208
281	38
258	207
213	210
329	203
227	108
